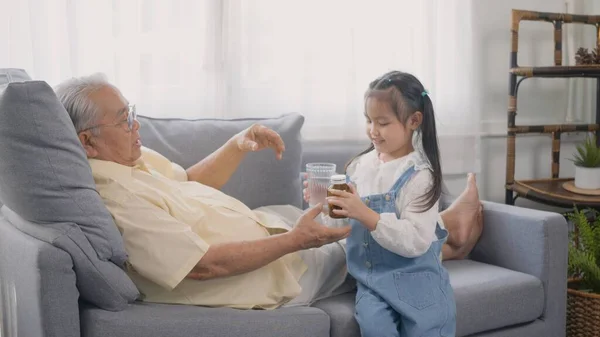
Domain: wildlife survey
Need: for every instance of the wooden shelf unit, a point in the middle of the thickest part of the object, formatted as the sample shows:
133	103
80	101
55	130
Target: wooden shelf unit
548	191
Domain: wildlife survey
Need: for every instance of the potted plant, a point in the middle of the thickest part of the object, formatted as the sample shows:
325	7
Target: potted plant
587	165
583	293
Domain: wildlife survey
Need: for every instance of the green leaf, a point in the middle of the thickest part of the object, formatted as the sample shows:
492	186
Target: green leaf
584	256
587	153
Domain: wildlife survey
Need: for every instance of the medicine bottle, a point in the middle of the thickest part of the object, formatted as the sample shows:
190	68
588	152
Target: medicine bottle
337	182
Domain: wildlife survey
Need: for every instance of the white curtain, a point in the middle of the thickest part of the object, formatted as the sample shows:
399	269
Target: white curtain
239	58
581	105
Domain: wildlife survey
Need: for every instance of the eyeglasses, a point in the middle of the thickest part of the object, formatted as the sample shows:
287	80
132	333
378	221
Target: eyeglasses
131	118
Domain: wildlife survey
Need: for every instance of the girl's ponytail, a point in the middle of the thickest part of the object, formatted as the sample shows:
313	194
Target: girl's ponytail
432	151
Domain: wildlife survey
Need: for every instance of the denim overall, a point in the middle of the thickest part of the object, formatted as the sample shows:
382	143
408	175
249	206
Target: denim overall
396	295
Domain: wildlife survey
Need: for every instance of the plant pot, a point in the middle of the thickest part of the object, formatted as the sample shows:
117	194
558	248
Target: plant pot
587	177
583	309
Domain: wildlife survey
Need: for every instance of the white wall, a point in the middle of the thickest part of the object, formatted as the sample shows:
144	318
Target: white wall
540	101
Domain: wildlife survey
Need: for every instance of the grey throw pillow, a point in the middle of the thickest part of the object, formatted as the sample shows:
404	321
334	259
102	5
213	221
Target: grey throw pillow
8	75
261	179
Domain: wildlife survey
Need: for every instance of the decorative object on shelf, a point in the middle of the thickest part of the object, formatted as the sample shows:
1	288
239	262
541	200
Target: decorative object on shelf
583	293
584	57
587	165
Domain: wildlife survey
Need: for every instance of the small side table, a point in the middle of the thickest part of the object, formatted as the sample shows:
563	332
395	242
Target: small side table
552	192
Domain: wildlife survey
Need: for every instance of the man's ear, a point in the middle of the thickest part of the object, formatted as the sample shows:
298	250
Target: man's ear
88	143
415	120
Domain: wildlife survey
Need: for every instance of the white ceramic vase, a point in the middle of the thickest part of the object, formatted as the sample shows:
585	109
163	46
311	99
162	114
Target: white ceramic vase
587	177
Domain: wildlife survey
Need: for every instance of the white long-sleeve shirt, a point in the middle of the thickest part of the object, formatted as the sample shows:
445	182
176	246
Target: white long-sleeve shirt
412	234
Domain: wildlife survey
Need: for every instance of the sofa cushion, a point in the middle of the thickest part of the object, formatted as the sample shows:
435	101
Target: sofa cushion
490	297
162	320
8	75
340	309
46	179
100	282
487	298
260	180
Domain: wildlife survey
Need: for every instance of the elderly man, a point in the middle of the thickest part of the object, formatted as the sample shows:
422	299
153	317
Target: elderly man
188	242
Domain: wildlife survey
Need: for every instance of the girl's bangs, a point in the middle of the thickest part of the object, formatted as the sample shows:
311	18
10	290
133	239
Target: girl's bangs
391	96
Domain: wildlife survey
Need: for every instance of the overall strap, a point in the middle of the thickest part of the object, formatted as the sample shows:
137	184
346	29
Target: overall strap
403	179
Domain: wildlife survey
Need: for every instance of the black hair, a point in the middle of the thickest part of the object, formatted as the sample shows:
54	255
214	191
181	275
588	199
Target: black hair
406	95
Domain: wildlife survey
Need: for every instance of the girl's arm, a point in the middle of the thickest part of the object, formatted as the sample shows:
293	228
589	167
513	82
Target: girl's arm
413	233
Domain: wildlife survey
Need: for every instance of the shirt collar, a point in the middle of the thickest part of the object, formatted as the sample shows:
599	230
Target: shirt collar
116	171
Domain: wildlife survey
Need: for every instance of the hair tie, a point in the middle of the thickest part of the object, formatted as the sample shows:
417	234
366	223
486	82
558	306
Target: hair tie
424	93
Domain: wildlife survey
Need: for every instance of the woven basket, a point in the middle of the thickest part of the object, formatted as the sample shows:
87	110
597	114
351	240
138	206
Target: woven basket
583	312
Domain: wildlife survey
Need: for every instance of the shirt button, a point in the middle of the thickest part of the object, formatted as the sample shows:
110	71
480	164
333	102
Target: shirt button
368	264
365	244
387	197
367	201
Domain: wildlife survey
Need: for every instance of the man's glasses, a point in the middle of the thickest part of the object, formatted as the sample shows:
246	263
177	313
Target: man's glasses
131	118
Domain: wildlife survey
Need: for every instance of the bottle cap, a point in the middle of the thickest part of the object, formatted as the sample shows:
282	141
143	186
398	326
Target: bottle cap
338	179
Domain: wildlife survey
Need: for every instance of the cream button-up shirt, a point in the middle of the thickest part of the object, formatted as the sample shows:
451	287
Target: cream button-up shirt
168	223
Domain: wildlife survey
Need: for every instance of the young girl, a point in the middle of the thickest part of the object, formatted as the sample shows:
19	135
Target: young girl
394	250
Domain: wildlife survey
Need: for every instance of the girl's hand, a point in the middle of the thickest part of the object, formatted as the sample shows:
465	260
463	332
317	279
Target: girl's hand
353	207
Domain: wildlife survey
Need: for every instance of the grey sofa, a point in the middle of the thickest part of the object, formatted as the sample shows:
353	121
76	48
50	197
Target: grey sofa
513	283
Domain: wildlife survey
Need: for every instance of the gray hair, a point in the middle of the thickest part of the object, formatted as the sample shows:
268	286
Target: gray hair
74	94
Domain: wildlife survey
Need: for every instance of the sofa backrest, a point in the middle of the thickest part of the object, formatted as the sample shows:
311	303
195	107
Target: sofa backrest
260	180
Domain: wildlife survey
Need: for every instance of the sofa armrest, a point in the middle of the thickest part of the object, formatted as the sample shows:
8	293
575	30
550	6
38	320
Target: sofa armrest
532	242
38	286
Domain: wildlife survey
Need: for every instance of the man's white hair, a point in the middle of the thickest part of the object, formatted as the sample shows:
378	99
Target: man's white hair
74	94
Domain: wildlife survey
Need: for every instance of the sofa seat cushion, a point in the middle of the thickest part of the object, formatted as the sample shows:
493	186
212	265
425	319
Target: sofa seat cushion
341	310
163	320
487	297
490	297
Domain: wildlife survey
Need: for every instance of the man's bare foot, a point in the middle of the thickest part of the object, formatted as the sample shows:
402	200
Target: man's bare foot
464	221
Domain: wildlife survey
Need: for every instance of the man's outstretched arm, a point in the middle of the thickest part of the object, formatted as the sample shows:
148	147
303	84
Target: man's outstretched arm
216	169
165	250
234	258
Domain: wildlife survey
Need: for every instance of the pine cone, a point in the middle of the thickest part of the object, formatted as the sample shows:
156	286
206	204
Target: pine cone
583	57
596	55
588	59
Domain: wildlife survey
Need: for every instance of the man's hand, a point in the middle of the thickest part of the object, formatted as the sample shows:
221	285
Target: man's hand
308	233
353	207
258	137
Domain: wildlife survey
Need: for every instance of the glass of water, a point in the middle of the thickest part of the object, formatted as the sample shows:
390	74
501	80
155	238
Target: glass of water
318	175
